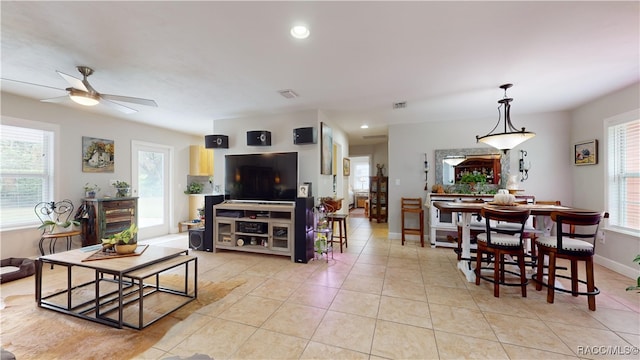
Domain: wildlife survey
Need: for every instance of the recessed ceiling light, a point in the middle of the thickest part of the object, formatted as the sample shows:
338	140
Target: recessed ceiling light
300	32
364	126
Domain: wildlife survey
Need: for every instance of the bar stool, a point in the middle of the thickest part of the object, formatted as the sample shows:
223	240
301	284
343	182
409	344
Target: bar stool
341	220
413	206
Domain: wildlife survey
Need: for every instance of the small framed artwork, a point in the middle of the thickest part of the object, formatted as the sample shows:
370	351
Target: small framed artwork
326	153
303	191
346	167
97	155
585	152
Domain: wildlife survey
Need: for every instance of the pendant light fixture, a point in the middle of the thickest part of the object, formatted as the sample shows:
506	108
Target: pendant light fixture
511	137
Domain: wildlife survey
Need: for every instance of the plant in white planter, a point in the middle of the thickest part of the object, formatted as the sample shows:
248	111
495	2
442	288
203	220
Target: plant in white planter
53	227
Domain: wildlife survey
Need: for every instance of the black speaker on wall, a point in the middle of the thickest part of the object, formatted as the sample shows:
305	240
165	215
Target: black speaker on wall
209	201
216	141
196	239
259	138
305	135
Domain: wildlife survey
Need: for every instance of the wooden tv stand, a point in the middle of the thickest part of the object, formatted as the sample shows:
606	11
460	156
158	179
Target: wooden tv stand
259	227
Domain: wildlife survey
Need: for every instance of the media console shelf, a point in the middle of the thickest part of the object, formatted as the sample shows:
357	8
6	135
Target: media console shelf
265	228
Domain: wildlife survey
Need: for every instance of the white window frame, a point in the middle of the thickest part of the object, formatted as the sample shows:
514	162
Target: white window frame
32	222
612	225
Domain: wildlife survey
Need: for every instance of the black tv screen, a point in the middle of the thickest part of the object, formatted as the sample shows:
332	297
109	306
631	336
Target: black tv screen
262	177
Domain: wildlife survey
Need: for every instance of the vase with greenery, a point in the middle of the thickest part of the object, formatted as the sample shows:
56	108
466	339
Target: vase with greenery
91	190
122	188
194	188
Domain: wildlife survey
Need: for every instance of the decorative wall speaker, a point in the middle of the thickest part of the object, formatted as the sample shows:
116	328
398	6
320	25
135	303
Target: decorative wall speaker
196	239
216	141
259	138
305	135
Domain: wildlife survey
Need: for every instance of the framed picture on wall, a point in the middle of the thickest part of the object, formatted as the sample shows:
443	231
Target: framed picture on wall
303	191
97	155
585	152
326	145
346	167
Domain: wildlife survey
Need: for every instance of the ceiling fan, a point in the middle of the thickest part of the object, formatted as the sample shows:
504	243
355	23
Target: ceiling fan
83	93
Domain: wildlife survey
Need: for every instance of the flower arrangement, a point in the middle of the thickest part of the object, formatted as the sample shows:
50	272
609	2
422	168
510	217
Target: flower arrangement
122	188
125	239
194	188
91	190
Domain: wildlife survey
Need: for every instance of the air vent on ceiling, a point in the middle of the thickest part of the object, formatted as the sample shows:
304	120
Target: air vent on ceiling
288	93
400	105
374	137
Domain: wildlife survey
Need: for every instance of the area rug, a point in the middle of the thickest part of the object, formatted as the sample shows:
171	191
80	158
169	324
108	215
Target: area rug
30	332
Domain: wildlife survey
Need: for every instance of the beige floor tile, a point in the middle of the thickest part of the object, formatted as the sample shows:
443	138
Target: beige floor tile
460	321
405	311
454	346
327	278
393	340
357	303
395	274
153	354
181	331
317	350
564	313
220	339
451	296
251	310
526	353
526	332
373	256
314	295
581	340
618	320
360	268
363	283
508	304
295	319
405	290
275	289
265	344
347	331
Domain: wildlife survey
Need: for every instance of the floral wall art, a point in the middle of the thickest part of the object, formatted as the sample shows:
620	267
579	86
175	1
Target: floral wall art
97	155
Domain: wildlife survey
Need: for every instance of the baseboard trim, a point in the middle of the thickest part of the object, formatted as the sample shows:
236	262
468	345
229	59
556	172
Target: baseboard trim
621	269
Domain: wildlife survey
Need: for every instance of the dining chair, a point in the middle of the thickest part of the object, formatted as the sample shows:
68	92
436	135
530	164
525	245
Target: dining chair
499	242
575	242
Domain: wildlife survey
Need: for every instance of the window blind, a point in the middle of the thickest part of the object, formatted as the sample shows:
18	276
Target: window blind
624	175
26	173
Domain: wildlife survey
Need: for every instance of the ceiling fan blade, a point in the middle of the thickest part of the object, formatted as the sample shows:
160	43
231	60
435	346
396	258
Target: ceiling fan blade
74	82
122	108
129	99
28	83
56	99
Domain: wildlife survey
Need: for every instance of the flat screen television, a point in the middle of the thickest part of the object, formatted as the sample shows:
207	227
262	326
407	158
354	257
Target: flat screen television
261	177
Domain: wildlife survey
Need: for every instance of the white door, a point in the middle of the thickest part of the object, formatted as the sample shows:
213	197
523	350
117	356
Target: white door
151	165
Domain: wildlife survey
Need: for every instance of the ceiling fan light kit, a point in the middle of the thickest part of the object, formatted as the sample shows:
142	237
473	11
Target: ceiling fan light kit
511	137
83	97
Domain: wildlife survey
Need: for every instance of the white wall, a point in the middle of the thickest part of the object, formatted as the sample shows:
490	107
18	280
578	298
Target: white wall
588	190
73	125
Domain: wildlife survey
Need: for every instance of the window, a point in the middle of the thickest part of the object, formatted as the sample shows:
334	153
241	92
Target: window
26	172
623	172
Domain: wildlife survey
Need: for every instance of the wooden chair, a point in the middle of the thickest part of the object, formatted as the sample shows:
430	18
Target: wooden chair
572	245
331	206
51	213
412	206
501	242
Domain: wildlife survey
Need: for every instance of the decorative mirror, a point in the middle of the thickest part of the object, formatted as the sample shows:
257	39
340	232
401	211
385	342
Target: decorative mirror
447	159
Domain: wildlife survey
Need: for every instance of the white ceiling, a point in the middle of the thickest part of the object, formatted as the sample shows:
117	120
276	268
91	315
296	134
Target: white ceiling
202	61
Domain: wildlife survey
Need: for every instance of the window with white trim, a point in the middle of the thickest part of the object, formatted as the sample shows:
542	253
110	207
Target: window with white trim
623	172
26	173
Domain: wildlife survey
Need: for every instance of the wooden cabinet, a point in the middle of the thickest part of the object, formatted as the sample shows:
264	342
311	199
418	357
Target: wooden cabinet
378	202
488	167
108	216
259	228
200	161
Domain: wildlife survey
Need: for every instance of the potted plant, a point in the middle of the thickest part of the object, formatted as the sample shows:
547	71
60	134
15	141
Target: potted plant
194	188
124	242
637	286
91	190
122	188
53	227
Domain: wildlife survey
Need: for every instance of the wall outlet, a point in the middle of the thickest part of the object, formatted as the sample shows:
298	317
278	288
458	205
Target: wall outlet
600	236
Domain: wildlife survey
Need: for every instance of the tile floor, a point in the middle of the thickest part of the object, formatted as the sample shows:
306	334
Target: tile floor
381	300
